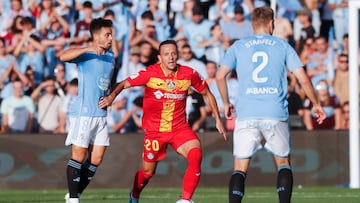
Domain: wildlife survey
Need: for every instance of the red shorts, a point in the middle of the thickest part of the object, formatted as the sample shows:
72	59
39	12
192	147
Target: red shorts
155	143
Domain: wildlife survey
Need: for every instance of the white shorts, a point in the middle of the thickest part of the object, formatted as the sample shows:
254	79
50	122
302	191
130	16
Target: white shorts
84	131
249	135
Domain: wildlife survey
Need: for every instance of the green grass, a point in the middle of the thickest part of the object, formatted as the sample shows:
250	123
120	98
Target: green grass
202	195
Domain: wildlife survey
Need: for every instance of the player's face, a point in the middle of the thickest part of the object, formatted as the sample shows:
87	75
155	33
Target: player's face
104	37
168	56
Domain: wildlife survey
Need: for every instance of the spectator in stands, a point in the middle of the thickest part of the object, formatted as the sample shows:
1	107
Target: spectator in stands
30	52
345	117
341	81
295	103
313	7
13	34
31	85
96	6
60	80
6	60
48	106
71	93
283	29
184	16
320	65
195	111
53	28
197	31
149	30
327	22
306	29
239	27
118	116
17	111
82	33
330	105
187	59
130	68
295	106
160	15
221	10
137	114
147	53
216	45
340	17
308	49
211	68
11	74
15	10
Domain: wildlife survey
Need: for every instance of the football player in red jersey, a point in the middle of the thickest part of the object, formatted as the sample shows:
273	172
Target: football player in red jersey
164	120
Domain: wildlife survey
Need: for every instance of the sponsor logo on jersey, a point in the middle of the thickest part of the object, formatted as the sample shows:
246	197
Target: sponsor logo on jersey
159	95
262	90
103	82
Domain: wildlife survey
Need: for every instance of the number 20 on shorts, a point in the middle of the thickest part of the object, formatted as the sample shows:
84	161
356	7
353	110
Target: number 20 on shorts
152	145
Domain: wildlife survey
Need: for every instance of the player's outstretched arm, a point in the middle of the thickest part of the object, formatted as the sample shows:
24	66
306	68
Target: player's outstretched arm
107	101
214	107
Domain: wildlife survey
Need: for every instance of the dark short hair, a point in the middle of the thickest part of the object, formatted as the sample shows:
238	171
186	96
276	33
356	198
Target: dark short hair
147	15
169	41
74	82
99	23
26	21
87	4
109	12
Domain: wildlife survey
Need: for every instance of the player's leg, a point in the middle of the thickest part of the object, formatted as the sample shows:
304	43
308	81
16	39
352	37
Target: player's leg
246	141
142	177
278	142
237	180
192	152
88	168
73	171
284	183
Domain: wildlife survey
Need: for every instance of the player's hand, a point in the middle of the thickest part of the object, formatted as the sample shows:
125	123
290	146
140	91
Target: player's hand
105	101
320	114
97	49
229	110
221	129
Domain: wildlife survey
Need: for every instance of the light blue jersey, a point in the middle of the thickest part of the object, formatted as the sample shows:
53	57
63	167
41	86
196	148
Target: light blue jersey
94	76
261	63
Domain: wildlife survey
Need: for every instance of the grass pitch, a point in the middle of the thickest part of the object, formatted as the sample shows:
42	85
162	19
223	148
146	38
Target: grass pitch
171	195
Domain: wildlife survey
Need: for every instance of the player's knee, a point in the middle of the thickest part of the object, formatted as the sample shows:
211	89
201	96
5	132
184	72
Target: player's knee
194	156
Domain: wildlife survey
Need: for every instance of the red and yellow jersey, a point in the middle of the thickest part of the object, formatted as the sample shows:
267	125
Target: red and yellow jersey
165	96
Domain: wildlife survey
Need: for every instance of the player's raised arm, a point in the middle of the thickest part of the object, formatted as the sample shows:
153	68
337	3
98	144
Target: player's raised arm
73	53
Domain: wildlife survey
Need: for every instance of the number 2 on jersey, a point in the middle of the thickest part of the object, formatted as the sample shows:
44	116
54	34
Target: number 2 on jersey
265	59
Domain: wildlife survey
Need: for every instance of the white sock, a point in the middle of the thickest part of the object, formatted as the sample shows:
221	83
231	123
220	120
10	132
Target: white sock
74	200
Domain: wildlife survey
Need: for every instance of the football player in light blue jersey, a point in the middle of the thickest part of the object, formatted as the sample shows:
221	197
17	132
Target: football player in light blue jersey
261	62
88	133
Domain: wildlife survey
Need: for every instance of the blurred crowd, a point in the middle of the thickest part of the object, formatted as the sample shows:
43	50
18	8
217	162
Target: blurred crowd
37	89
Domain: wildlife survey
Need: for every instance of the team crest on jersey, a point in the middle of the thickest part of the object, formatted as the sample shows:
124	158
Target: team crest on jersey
150	156
170	84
